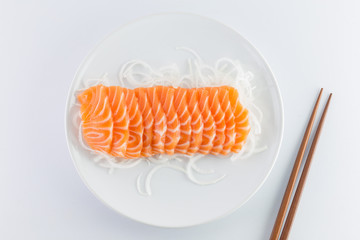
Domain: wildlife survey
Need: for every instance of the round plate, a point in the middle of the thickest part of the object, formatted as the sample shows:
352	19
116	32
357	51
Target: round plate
177	202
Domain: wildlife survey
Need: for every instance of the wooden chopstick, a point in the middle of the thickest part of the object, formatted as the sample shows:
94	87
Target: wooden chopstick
294	173
296	199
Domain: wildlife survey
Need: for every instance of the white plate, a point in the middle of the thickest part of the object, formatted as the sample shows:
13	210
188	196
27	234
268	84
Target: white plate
177	202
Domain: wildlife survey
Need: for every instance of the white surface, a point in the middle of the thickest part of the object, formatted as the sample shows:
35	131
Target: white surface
176	201
308	44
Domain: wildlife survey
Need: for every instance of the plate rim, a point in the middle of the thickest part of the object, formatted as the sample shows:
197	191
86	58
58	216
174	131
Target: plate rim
278	94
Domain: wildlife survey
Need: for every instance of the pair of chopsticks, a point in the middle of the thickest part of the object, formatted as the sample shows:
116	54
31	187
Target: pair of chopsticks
289	189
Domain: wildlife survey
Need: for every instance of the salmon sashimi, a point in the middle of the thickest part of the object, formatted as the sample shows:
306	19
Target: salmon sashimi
229	120
129	124
120	121
209	131
136	129
196	122
219	118
148	121
241	114
166	97
159	127
96	116
181	107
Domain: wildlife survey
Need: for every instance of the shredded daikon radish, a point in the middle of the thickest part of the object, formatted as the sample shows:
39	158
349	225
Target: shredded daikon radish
225	71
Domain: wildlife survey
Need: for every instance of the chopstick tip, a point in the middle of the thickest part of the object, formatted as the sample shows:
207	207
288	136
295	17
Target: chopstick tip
330	95
321	90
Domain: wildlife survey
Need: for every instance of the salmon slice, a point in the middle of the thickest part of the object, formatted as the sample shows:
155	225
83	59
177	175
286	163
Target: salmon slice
219	118
241	115
196	122
159	127
181	108
148	121
166	97
120	121
229	120
136	129
209	131
97	122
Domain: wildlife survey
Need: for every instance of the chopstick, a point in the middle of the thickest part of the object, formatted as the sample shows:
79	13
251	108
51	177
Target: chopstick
296	199
294	173
292	180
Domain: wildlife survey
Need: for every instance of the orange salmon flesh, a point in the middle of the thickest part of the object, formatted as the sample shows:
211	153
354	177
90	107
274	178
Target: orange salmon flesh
142	122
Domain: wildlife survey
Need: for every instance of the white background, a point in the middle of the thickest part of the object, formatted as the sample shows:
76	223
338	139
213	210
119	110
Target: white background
309	44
